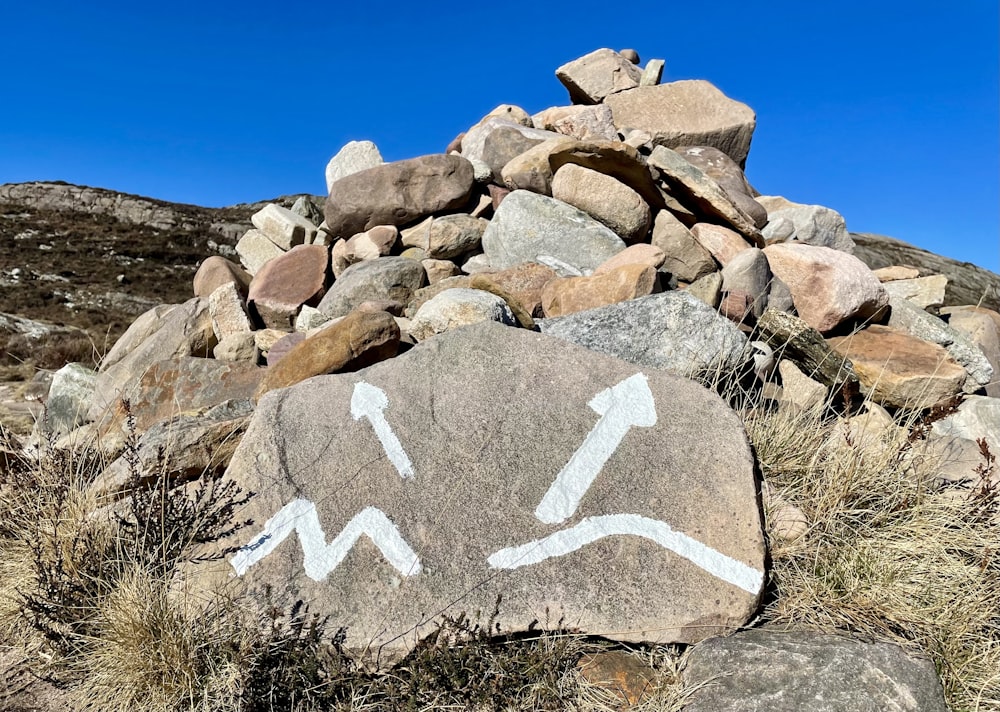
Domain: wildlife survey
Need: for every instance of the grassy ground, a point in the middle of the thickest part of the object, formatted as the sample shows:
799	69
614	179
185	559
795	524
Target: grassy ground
877	549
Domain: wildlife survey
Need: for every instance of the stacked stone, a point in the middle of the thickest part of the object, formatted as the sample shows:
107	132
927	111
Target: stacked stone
623	223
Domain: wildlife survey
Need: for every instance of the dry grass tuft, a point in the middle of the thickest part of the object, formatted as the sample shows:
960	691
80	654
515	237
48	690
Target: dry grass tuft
888	554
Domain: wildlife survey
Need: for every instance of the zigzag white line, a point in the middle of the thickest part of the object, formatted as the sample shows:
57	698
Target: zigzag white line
320	558
592	529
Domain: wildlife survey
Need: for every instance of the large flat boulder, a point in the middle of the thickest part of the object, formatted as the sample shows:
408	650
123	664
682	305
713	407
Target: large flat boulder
397	193
686	113
491	463
595	76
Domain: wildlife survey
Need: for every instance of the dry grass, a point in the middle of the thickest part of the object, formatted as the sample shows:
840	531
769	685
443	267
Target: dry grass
888	554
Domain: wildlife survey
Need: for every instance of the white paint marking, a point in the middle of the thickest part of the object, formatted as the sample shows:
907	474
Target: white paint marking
367	401
320	558
592	529
628	404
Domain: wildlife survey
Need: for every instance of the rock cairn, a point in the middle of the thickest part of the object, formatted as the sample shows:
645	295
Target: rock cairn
514	322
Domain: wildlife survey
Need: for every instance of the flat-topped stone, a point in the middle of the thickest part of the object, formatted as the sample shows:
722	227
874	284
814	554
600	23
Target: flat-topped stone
466	468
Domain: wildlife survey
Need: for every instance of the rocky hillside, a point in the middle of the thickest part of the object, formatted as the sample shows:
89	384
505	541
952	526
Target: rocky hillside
95	259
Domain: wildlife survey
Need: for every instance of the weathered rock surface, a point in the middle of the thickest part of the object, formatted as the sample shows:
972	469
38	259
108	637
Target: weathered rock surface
580	122
520	286
899	370
695	188
955	440
284	284
828	287
368	245
924	292
595	76
358	340
457	307
179	450
686	259
574	294
909	317
256	250
674	331
748	272
447	477
68	399
793	671
387	278
283	227
603	198
639	254
811	224
354	157
726	172
967	283
721	242
981	327
228	310
181	330
792	338
687	113
446	237
536	228
216	271
397	193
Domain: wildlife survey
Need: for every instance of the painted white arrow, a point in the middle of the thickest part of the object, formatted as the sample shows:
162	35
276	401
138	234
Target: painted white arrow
320	558
621	407
367	401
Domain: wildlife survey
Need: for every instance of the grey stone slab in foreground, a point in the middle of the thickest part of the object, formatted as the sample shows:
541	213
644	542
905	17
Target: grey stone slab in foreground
799	671
492	462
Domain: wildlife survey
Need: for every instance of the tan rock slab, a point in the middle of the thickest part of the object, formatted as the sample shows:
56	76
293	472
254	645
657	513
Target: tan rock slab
256	250
597	75
982	327
454	308
439	269
369	245
694	189
228	310
287	282
573	294
828	286
900	370
894	272
446	237
925	292
685	258
639	254
283	227
580	122
520	286
603	198
216	271
720	242
687	113
358	340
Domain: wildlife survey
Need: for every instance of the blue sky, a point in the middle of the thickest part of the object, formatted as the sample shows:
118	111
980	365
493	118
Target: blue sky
885	111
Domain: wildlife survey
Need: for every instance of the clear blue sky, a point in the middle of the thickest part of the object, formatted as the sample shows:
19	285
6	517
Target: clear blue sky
885	111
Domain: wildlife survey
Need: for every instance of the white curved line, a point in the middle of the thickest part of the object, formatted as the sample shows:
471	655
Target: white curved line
593	529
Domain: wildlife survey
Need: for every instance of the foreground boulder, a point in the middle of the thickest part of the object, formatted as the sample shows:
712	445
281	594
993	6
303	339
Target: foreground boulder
493	463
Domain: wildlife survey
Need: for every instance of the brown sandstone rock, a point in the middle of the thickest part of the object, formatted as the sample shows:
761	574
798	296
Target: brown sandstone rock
520	286
900	370
358	340
604	199
721	242
573	294
287	282
216	271
398	193
639	254
687	113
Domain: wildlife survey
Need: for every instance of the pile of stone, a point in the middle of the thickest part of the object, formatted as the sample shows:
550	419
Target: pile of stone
514	325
